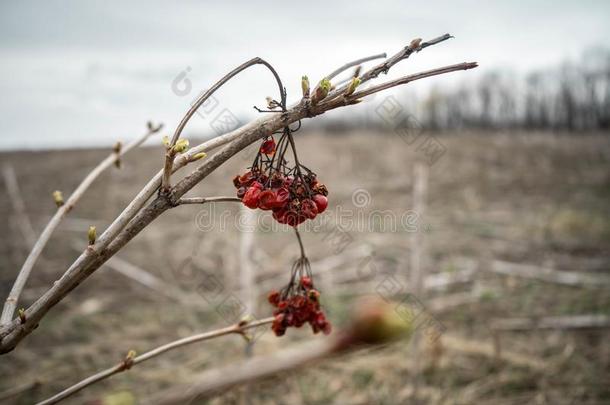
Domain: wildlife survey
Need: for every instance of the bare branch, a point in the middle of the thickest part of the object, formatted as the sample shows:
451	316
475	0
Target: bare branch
24	273
384	67
329	104
23	220
355	63
586	321
124	365
203	200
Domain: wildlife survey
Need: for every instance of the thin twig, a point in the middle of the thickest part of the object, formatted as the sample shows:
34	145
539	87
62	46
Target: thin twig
21	217
24	273
355	63
204	200
123	366
413	77
385	66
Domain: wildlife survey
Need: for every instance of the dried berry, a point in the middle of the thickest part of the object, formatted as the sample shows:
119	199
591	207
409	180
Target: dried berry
268	147
266	199
251	197
298	303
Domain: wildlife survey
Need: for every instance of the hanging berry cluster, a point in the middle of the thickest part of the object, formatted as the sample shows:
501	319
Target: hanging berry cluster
294	194
298	303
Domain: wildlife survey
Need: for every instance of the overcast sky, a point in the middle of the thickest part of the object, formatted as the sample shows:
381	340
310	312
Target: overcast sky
81	73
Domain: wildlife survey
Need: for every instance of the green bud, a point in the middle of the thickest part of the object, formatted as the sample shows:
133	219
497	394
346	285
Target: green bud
352	86
198	156
128	361
321	91
21	315
165	141
305	86
92	235
181	146
58	198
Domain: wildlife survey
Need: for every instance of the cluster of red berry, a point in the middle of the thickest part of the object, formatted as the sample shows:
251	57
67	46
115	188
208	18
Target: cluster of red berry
293	194
298	308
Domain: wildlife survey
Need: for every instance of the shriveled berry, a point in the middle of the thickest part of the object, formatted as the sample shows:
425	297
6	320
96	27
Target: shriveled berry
251	197
313	294
309	208
246	179
266	199
282	196
236	181
320	189
268	147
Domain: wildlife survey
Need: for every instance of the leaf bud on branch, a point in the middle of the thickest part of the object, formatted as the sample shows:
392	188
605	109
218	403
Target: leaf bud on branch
58	197
92	235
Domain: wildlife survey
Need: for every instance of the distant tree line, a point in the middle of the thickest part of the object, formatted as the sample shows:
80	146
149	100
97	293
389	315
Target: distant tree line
574	96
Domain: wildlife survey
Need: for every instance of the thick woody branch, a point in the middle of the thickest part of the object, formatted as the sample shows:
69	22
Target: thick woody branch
139	214
127	364
24	273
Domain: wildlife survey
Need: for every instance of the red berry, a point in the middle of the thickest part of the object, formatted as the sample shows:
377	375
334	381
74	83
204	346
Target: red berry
306	282
268	147
309	208
266	200
251	197
279	214
246	178
236	181
282	196
321	202
274	298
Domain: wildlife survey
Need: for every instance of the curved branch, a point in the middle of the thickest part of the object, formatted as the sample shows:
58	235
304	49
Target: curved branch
170	154
127	364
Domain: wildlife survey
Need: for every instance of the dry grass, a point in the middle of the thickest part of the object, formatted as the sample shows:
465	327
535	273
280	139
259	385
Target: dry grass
526	198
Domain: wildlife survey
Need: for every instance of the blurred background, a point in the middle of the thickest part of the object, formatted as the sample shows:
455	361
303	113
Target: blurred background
479	199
